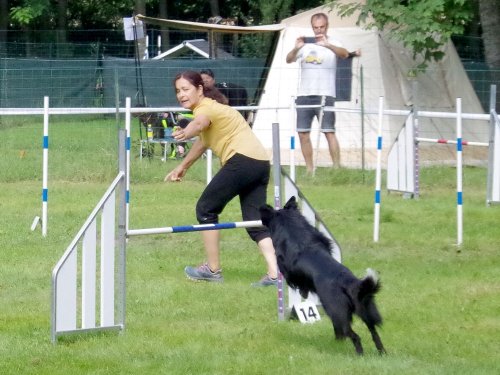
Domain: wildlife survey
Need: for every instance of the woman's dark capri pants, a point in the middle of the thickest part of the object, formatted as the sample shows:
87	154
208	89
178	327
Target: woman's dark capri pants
243	176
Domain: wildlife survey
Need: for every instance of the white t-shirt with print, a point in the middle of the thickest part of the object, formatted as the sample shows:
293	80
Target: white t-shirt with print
318	67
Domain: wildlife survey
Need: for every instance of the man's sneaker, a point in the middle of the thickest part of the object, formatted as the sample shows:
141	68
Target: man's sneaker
265	281
204	273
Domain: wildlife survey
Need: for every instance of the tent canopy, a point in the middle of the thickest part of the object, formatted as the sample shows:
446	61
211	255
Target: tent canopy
210	27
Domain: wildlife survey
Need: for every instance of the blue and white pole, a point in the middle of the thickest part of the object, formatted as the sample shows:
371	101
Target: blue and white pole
293	116
459	174
376	223
195	228
45	168
127	157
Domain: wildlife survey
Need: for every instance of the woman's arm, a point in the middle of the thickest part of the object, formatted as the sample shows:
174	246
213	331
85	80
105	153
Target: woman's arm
193	129
197	149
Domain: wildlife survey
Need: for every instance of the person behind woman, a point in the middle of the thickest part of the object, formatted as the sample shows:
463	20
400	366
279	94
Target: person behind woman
244	173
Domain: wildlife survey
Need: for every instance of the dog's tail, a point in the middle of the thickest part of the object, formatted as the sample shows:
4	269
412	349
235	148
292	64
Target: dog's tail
366	308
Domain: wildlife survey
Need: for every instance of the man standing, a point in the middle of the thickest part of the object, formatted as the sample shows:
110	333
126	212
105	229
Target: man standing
318	62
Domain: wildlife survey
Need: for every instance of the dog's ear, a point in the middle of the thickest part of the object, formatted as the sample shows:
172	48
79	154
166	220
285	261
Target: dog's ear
266	214
291	204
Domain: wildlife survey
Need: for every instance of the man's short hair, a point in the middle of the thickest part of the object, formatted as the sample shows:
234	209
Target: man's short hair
320	15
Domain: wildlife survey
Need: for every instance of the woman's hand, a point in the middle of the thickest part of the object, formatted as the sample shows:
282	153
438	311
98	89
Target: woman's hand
176	174
179	134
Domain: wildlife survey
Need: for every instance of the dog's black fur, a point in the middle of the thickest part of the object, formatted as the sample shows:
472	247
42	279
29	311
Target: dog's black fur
304	259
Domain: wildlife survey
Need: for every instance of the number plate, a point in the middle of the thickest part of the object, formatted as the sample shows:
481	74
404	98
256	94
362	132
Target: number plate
307	312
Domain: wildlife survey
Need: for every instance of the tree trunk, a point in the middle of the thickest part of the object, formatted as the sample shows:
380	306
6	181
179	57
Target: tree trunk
214	8
62	9
164	33
140	8
4	22
489	13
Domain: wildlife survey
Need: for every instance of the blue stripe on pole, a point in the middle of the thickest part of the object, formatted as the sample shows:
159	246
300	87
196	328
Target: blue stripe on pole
195	228
379	143
292	143
45	141
459	144
377	196
45	195
459	198
127	196
127	144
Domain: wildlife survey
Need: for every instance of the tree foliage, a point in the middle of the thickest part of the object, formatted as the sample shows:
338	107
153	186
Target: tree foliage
424	26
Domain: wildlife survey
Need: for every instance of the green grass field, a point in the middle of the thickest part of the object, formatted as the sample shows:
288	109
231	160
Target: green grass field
440	303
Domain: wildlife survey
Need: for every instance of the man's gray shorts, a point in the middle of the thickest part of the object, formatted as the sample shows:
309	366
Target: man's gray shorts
305	116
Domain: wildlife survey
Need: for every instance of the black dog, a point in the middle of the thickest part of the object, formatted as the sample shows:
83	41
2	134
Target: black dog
304	259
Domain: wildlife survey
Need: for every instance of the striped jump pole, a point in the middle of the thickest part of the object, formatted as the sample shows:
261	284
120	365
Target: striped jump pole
450	141
195	228
378	177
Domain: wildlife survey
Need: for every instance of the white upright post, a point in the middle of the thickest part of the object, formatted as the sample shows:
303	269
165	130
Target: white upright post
209	165
159	44
318	138
127	157
459	173
45	190
376	222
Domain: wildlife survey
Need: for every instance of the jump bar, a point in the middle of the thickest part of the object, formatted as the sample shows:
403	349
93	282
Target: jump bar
195	228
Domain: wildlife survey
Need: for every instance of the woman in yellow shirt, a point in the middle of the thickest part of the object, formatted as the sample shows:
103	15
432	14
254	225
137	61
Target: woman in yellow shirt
244	173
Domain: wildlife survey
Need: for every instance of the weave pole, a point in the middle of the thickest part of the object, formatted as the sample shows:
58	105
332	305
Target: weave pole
459	174
378	177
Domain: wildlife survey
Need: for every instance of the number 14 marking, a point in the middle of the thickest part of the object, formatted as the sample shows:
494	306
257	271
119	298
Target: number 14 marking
307	312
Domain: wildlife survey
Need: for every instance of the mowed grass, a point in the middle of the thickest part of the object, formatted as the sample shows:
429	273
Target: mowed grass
440	302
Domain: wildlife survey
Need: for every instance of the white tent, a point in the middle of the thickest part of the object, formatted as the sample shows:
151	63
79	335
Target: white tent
384	65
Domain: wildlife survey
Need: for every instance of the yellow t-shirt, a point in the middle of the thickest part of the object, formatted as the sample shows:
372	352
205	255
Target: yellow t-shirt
228	132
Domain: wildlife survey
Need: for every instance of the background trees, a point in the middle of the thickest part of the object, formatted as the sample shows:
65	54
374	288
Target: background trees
425	26
422	25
